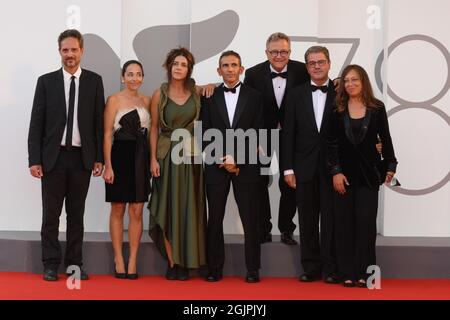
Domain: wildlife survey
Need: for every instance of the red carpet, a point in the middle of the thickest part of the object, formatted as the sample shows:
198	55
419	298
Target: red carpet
31	286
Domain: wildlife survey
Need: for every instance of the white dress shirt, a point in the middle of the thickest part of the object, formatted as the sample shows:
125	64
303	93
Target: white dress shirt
279	85
231	102
319	98
76	139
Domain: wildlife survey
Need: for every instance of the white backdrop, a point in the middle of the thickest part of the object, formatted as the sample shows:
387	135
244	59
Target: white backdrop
409	39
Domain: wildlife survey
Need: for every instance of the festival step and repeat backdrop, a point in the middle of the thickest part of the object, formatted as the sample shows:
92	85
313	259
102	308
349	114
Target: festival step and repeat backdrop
404	46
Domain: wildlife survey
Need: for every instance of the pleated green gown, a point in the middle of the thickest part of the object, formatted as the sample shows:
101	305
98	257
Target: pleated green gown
177	204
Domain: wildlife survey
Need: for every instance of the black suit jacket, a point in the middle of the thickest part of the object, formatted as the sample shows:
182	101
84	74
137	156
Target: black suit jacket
304	144
258	77
358	156
49	117
248	115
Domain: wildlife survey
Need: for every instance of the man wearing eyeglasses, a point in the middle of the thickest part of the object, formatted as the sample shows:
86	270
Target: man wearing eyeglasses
306	118
273	79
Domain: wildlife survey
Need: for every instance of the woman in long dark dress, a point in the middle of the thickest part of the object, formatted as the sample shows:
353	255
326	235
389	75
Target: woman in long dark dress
127	172
359	120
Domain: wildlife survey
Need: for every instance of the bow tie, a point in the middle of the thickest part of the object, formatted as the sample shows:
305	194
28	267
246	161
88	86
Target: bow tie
324	89
281	74
232	90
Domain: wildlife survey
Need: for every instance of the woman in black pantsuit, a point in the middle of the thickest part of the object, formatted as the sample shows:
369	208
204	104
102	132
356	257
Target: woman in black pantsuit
358	123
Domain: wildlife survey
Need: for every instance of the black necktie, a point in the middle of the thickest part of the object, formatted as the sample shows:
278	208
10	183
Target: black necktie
70	113
232	90
324	89
281	74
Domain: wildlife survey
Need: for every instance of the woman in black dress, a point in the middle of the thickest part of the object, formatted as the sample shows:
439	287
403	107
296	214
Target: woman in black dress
127	173
355	164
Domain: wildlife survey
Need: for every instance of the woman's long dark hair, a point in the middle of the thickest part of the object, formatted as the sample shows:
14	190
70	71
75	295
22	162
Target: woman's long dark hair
367	97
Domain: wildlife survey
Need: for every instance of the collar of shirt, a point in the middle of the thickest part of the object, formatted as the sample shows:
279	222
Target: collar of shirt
273	70
68	75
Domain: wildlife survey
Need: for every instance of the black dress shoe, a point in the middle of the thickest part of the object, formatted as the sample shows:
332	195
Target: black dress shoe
50	275
171	273
348	283
214	274
361	283
267	237
252	277
182	273
287	238
132	276
83	274
332	279
308	277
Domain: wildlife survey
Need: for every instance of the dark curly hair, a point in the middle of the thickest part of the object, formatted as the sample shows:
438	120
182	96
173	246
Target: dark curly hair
168	63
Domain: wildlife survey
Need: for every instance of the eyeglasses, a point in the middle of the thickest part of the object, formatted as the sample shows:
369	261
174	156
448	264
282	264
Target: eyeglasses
282	53
320	63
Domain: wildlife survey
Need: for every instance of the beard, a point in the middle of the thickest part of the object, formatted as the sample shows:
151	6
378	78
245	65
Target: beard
70	62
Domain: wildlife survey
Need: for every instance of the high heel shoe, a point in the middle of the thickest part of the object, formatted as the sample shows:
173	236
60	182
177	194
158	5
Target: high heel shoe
171	273
132	276
119	275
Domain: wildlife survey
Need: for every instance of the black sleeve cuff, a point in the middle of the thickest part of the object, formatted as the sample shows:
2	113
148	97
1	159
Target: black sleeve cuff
335	170
392	166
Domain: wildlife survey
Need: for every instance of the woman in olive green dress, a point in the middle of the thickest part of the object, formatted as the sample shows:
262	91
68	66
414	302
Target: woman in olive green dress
177	204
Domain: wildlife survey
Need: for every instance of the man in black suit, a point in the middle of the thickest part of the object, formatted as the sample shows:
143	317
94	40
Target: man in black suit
64	146
306	119
273	79
234	110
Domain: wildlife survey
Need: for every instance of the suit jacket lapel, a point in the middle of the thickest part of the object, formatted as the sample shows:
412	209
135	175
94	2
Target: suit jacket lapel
81	94
59	87
269	85
309	106
329	103
242	100
289	83
347	128
365	126
220	101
